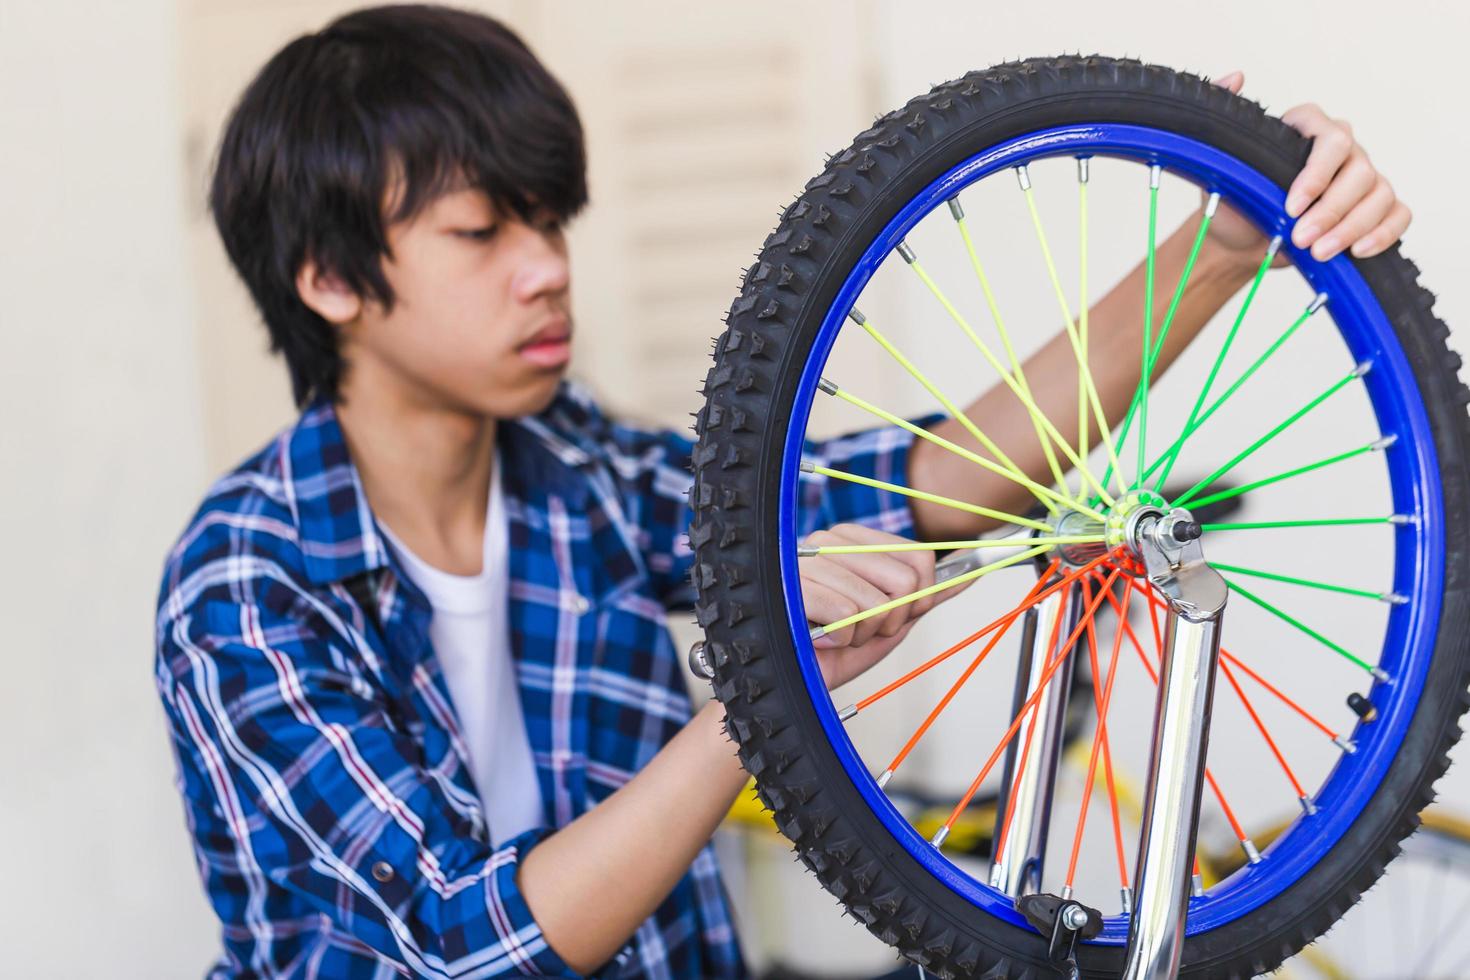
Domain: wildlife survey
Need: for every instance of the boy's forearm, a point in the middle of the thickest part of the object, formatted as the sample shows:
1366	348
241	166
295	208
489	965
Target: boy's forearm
591	884
1115	341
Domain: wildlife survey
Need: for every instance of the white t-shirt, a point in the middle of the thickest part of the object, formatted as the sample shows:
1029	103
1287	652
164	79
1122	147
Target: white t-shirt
471	637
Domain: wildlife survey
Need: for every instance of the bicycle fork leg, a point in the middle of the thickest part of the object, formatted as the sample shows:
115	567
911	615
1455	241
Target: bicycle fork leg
1016	866
1196	595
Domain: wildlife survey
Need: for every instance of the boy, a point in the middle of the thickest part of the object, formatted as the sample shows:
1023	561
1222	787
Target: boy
427	716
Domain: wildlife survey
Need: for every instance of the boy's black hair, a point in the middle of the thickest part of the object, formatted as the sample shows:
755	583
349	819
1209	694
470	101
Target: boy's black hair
434	95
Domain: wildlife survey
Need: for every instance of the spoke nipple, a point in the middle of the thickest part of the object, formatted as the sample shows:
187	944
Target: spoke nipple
847	712
884	777
1345	744
1082	169
1066	892
1212	203
1381	676
1023	177
819	632
1318	301
997	875
1394	598
1383	442
1308	807
1274	247
906	253
807	551
1401	518
938	840
1154	174
1363	368
826	386
1126	894
807	466
1196	885
1361	706
856	316
1252	853
957	212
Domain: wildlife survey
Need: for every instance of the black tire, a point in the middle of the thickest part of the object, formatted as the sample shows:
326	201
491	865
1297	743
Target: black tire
757	362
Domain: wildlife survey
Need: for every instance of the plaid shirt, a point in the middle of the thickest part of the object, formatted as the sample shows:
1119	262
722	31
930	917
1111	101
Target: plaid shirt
324	776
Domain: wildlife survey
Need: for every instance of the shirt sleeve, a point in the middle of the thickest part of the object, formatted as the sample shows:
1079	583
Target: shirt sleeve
653	472
325	797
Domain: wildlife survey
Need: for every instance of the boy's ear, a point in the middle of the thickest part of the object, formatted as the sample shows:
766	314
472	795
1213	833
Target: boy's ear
327	295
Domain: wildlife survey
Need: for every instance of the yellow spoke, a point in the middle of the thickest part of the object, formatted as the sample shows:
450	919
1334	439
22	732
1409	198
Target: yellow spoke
958	450
955	411
1061	294
924	593
1037	415
875	549
1005	338
933	498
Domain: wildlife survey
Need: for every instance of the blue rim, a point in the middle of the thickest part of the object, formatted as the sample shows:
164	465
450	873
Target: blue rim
1413	473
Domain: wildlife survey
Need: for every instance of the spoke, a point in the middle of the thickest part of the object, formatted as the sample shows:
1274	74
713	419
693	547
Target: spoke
960	451
1082	311
1293	621
1319	464
866	549
1241	666
1038	417
1311	583
1103	427
1189	430
958	213
1146	367
1158	343
1173	452
955	412
1301	794
924	593
1322	522
1100	736
1036	594
932	498
1280	427
1046	675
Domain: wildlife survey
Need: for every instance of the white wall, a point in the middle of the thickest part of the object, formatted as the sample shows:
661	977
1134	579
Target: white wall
104	430
102	462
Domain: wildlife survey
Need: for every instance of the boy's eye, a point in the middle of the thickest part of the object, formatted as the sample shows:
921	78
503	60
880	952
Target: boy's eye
478	234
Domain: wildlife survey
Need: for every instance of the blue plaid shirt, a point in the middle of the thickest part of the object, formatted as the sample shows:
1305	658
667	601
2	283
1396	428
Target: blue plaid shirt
324	775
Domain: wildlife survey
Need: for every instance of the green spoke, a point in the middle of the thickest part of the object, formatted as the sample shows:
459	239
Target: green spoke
1148	311
1281	427
955	412
1322	522
1309	583
1158	344
1173	452
932	498
1293	621
1258	484
1317	302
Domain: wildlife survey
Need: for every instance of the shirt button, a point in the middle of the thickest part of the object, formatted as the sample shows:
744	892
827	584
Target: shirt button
383	872
580	604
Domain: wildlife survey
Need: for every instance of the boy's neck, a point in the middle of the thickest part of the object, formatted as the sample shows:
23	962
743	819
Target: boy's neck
425	469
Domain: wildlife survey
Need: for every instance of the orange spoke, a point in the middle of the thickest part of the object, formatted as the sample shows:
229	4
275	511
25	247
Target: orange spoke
1301	794
1016	722
1099	741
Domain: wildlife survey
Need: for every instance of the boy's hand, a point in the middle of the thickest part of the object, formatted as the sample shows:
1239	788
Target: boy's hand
834	587
1340	199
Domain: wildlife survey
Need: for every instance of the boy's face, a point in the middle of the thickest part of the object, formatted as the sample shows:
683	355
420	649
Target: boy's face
482	319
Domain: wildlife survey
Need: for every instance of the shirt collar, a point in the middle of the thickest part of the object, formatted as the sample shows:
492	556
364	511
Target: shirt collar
339	535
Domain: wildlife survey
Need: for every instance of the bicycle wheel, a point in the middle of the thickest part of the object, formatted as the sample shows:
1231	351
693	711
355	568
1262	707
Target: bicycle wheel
1367	607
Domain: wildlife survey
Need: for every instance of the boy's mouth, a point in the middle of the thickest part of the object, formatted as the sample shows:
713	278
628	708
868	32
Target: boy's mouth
551	346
